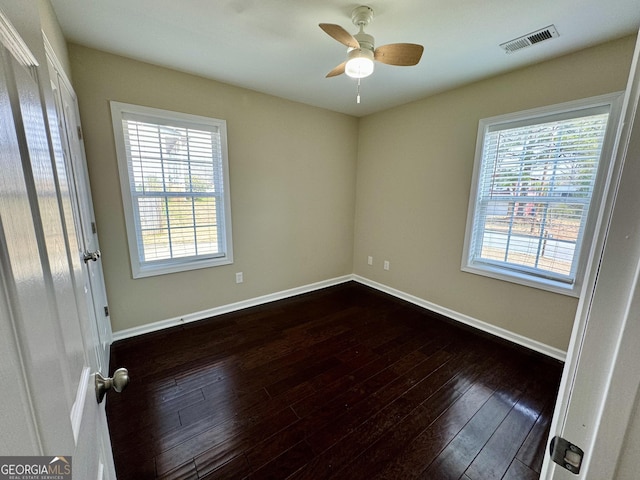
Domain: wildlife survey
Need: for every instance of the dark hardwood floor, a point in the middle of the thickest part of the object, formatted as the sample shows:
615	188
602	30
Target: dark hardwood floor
343	383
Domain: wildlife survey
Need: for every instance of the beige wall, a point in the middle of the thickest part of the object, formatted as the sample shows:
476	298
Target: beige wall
292	172
294	186
413	178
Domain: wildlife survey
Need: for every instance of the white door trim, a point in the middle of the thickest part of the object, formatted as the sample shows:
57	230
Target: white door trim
594	404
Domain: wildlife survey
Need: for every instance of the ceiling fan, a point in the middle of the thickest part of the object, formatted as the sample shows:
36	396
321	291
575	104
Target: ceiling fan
362	53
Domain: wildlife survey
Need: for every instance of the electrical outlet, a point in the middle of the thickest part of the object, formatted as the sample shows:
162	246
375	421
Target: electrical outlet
369	260
386	265
239	277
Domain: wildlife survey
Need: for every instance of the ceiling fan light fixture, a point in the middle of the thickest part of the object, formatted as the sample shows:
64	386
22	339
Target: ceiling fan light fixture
359	63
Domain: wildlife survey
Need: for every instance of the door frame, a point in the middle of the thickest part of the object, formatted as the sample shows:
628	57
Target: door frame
600	379
84	215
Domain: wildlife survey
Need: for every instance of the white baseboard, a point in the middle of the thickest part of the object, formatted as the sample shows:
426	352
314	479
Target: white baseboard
232	307
453	315
467	320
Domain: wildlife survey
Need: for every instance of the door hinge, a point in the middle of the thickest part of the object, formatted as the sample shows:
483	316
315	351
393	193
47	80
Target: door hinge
106	311
94	230
79	133
566	454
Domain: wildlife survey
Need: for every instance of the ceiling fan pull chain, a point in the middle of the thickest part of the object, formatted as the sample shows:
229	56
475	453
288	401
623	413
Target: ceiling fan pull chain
358	92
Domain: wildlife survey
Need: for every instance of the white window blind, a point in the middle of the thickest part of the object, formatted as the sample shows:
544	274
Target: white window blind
533	193
176	189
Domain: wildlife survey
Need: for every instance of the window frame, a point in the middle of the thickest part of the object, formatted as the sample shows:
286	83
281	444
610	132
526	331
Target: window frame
139	268
602	180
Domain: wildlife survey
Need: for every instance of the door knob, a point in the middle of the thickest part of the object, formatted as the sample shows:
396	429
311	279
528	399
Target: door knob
118	383
86	256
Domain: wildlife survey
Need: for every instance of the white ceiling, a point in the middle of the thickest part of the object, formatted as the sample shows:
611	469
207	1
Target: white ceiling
276	46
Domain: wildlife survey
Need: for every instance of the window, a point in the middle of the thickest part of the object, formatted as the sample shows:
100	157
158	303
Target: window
175	189
537	183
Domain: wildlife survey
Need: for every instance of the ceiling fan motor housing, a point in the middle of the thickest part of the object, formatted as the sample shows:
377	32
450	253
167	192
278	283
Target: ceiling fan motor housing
362	16
365	40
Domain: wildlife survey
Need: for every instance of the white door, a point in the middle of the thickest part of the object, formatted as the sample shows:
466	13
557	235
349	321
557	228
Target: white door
75	161
49	343
601	376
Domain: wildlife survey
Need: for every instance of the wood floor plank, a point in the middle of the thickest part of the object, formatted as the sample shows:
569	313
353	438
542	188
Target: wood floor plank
534	447
402	421
337	391
237	433
286	463
417	456
221	462
454	460
234	469
186	471
391	442
519	471
370	399
495	457
333	460
344	382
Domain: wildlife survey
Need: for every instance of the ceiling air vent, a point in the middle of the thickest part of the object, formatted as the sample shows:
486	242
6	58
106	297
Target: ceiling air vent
532	38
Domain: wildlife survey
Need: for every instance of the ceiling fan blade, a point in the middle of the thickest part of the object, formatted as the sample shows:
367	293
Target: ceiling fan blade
340	34
339	70
402	54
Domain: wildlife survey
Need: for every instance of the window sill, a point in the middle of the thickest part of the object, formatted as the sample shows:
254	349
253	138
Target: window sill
571	290
143	271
